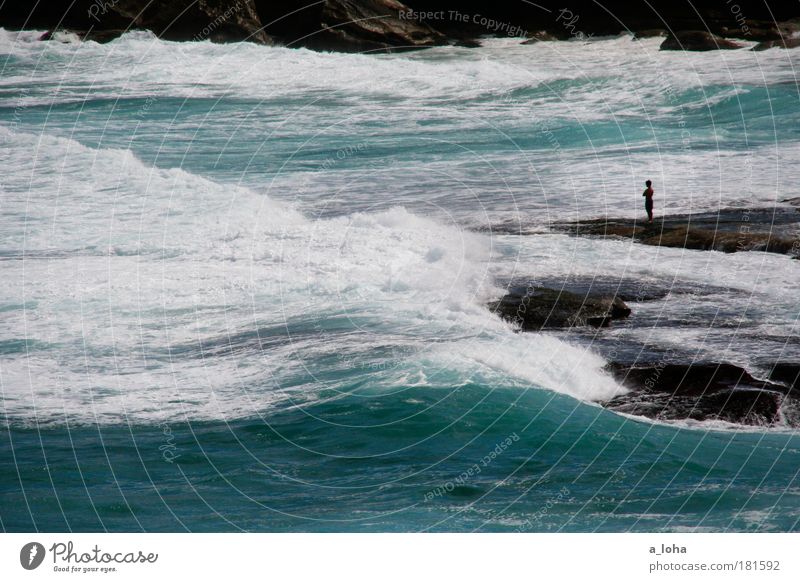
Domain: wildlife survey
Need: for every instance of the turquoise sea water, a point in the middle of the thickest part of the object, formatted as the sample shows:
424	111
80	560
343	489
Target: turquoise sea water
244	288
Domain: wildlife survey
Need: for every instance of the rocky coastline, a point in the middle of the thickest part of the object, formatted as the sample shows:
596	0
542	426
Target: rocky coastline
610	316
730	230
663	384
389	25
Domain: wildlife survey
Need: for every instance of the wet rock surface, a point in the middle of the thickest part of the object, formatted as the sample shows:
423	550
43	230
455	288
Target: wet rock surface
773	230
697	40
702	392
666	381
539	308
369	25
783	43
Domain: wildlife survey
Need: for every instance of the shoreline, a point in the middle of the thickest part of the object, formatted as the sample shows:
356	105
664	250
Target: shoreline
391	26
730	230
663	382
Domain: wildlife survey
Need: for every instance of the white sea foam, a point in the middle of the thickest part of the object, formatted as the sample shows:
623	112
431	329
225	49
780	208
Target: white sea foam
138	62
139	279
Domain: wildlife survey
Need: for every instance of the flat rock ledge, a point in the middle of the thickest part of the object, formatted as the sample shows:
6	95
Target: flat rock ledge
539	308
729	231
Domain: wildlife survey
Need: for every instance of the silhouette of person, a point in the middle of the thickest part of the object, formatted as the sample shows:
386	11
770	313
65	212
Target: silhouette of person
648	200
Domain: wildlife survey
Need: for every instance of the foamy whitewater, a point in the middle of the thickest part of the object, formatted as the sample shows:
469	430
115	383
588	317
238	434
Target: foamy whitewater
245	287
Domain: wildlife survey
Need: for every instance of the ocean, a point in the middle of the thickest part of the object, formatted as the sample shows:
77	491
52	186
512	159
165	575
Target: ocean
244	288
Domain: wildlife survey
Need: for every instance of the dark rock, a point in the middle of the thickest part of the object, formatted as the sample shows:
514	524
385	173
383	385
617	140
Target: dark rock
612	17
629	289
61	35
786	374
771	34
540	308
700	239
728	230
784	43
215	20
686	380
540	36
698	392
761	34
369	26
60	15
303	23
661	306
467	43
100	36
354	26
697	40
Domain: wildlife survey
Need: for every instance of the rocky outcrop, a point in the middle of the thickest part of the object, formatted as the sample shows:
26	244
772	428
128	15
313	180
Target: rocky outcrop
697	40
540	36
775	34
787	374
702	392
352	25
728	230
664	383
370	25
70	35
687	237
784	43
535	309
660	386
178	20
745	19
337	25
215	20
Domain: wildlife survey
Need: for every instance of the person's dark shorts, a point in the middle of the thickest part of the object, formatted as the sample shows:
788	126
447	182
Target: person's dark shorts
648	204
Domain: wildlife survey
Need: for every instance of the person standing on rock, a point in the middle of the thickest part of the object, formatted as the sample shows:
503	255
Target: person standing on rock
648	200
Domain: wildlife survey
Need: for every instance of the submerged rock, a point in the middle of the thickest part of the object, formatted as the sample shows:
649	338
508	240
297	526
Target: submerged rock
697	40
700	392
541	308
